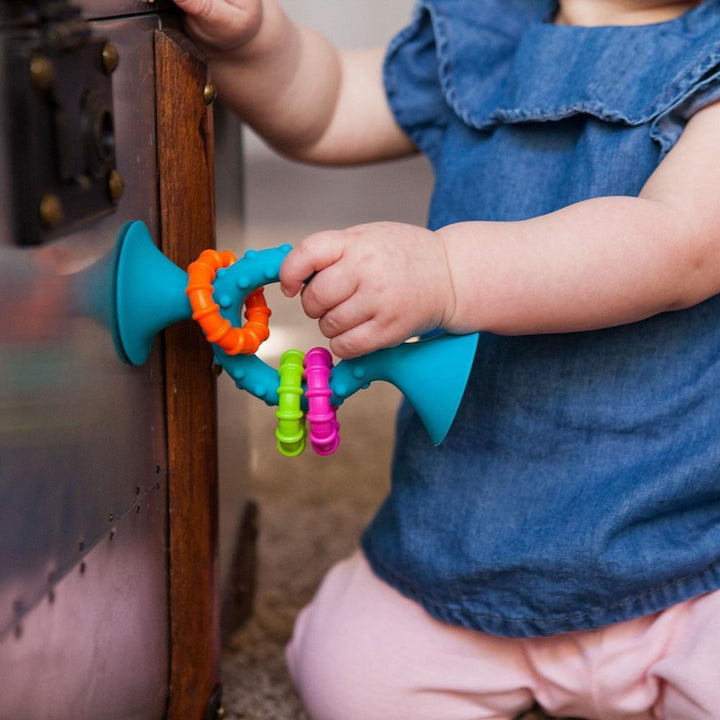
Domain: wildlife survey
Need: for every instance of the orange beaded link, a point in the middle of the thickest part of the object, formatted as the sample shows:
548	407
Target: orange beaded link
233	340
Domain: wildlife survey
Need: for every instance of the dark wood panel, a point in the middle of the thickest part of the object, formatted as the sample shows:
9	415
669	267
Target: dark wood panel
185	155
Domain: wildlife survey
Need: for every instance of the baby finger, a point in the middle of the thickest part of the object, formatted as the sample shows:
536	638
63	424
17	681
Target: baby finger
360	340
326	290
344	317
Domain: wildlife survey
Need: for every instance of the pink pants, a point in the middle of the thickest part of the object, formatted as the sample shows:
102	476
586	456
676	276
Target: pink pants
362	651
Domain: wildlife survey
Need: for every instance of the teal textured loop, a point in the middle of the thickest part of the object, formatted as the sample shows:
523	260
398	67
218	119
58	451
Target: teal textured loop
255	269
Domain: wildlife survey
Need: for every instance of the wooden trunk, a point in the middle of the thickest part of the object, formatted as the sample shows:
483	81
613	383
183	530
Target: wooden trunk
109	599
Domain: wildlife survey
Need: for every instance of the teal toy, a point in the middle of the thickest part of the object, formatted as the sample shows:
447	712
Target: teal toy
151	295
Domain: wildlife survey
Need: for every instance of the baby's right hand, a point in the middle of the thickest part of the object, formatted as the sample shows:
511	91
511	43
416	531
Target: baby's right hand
222	25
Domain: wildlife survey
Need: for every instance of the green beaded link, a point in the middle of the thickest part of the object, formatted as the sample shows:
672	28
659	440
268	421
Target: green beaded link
291	431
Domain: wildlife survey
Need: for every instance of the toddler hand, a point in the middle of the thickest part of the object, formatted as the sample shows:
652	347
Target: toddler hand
374	285
222	24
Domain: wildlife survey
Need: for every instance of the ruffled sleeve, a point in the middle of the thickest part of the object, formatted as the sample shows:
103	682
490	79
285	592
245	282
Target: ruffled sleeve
499	62
452	48
412	83
695	88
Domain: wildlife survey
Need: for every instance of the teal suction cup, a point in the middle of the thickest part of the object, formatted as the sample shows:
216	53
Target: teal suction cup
431	373
149	292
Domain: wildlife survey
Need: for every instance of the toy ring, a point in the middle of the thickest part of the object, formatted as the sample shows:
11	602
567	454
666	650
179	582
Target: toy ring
322	416
218	330
290	431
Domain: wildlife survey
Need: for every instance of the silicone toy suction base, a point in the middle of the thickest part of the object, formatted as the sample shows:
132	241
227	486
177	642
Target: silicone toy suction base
150	292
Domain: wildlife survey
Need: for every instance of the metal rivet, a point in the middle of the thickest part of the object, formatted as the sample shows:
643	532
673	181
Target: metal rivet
116	185
51	210
42	72
110	58
54	37
209	94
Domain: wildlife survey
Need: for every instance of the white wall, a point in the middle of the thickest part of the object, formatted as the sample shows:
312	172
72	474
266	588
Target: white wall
348	24
352	23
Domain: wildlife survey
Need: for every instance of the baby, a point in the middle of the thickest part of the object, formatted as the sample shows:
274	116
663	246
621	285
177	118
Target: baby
562	546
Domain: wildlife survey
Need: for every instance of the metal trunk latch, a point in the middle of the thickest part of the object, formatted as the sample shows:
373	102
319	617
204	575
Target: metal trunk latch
62	134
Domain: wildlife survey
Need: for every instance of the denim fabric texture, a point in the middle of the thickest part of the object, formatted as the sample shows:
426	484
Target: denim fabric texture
580	483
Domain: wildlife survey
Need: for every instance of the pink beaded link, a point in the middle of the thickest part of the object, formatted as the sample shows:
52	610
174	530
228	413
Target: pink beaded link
321	415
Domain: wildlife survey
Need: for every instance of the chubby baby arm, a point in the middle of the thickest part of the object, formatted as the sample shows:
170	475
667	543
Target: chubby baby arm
602	262
305	98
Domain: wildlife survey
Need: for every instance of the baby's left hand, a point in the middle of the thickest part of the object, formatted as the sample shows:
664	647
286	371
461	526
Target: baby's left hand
372	286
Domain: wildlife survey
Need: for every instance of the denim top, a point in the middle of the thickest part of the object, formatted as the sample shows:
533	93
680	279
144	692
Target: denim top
580	483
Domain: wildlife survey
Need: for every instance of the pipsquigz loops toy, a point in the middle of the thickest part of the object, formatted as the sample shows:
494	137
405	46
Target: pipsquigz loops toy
290	431
322	416
151	293
233	340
